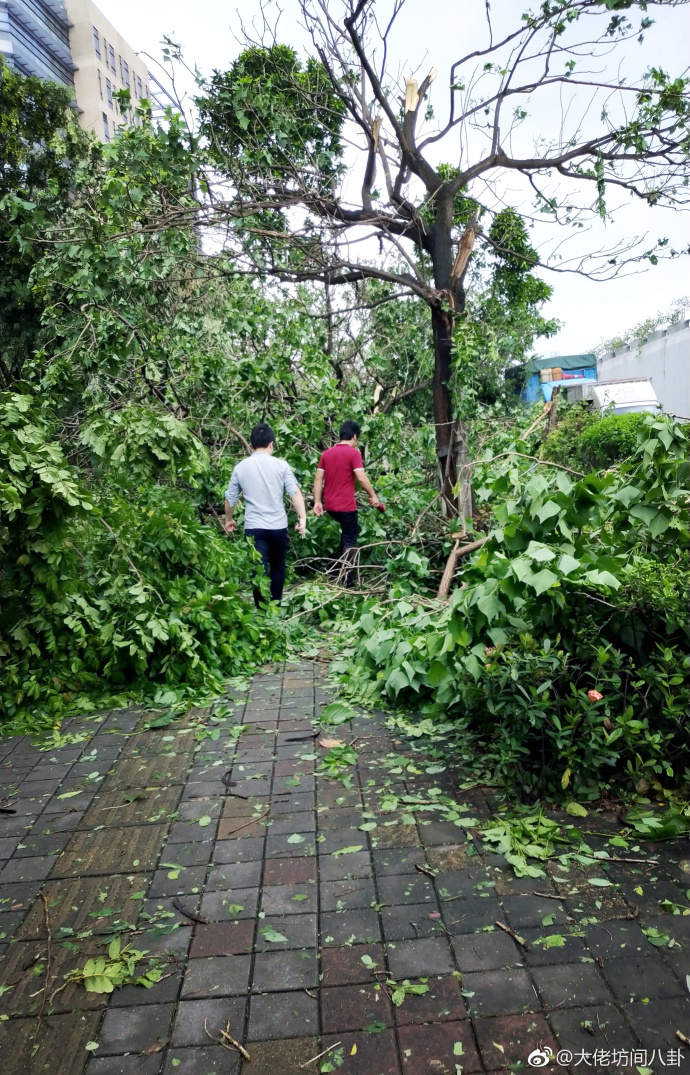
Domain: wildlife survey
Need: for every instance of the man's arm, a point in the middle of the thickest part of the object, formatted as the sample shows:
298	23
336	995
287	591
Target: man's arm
368	488
300	507
318	491
232	495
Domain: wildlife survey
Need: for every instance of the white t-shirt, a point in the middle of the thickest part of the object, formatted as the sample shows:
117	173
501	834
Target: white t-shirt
262	480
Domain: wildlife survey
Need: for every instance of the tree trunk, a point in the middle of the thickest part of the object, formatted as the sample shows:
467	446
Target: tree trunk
443	409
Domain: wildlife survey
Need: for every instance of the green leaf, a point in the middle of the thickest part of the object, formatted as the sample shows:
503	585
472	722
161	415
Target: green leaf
599	882
272	935
348	850
204	821
575	809
295	838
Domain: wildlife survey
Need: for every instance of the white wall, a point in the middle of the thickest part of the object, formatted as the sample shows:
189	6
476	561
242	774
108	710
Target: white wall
665	357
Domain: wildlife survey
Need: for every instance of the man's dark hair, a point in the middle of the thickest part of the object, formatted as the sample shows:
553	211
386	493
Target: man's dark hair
349	429
261	436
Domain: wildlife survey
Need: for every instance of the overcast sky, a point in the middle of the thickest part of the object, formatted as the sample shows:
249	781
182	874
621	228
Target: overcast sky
433	33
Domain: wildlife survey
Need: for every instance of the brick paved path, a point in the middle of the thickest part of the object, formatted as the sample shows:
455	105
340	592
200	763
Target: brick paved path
130	826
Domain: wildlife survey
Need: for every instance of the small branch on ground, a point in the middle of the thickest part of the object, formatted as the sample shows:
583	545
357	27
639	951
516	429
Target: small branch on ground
319	1055
520	940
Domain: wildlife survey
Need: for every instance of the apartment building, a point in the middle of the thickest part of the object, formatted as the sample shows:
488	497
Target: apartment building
104	64
34	39
72	42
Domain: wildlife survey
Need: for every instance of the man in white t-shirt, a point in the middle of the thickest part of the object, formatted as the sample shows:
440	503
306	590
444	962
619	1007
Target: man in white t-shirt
262	481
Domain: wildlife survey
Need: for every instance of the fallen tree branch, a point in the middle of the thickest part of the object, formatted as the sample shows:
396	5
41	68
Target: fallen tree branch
506	929
456	552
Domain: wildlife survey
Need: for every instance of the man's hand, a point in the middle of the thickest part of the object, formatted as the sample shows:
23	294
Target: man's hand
318	509
229	526
301	527
374	501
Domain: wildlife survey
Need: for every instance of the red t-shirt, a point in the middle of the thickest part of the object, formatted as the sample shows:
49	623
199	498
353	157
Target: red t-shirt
339	464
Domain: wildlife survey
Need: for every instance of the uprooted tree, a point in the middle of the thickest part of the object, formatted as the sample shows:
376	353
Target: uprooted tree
318	159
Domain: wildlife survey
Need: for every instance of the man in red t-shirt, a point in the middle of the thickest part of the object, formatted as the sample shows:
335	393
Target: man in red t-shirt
334	489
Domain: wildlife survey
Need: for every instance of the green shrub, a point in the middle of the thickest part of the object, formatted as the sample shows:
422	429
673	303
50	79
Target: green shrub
609	439
564	653
587	440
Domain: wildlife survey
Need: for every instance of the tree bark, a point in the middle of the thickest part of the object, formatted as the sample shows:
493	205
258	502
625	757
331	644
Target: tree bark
443	408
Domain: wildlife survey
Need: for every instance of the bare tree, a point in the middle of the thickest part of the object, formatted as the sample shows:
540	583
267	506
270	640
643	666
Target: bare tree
338	170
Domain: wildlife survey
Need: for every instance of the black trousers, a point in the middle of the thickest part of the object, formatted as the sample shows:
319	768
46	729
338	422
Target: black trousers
349	529
272	547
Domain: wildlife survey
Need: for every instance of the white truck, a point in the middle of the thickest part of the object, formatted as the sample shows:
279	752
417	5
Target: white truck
619	397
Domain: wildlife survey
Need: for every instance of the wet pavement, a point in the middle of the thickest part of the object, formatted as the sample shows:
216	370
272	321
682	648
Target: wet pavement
287	915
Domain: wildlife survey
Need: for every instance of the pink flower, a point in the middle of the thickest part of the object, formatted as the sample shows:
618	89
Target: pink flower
594	696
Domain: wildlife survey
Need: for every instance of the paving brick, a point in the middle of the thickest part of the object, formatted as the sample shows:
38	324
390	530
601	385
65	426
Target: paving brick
406	888
359	926
289	899
397	860
201	1060
418	958
635	977
340	839
229	905
415	920
438	1050
292	871
215	976
230	828
655	1023
453	885
486	951
188	879
570	985
76	903
222	938
501	992
186	854
516	1035
24	1051
527	910
365	1054
233	875
137	848
354	1007
288	1015
610	940
126	1030
588	1028
287	822
22	870
299	931
442	1002
285	1057
340	867
288	843
188	1028
239	850
295	969
344	966
543	950
344	895
124	1065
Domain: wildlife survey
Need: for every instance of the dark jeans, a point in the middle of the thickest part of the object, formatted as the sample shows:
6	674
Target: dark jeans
349	529
272	547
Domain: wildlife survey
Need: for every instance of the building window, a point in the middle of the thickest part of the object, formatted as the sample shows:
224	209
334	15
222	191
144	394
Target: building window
96	42
111	58
106	129
109	92
125	73
100	83
137	80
